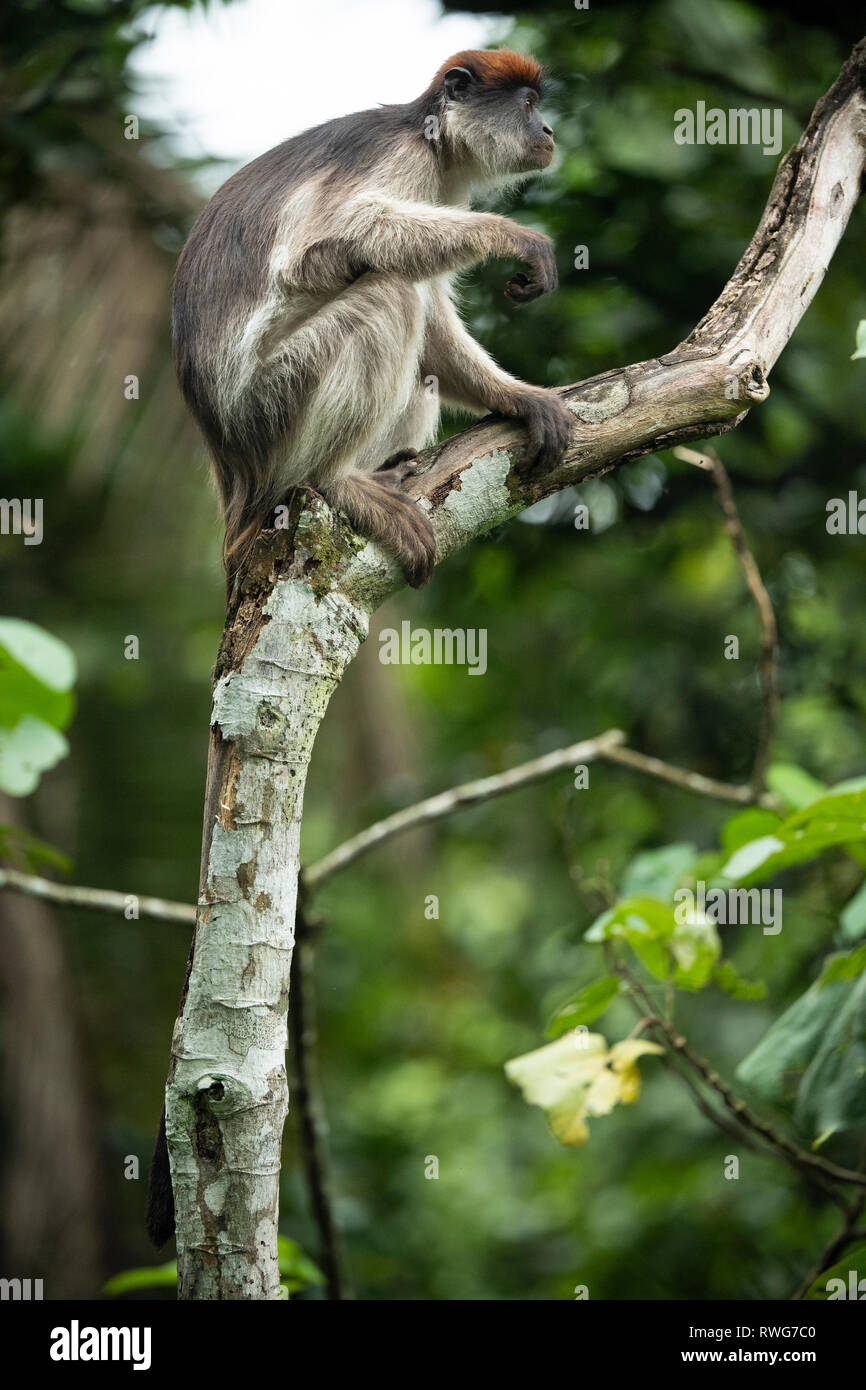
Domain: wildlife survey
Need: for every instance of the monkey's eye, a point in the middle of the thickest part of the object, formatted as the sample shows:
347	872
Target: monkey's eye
527	105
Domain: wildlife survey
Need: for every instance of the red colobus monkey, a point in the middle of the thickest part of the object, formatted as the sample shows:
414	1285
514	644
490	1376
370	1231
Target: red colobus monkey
314	296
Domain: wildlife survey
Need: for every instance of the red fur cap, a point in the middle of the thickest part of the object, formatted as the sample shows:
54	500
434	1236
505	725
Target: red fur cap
495	68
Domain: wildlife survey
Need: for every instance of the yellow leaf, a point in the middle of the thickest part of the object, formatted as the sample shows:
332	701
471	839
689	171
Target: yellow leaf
579	1076
624	1057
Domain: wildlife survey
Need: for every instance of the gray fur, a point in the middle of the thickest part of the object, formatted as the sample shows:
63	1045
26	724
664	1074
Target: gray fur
314	297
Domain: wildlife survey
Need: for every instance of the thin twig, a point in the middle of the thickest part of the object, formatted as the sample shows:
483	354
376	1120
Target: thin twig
607	747
689	781
764	1141
709	460
99	899
716	1117
456	799
799	1158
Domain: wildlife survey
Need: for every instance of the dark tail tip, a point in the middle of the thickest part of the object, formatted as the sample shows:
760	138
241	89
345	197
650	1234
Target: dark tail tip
160	1197
239	542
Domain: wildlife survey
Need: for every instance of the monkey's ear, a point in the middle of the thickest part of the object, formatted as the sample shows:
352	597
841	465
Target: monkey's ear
457	82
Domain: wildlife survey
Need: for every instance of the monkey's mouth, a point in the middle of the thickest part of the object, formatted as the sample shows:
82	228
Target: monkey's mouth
543	153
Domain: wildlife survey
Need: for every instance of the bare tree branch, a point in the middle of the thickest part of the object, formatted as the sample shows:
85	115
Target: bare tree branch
607	747
99	899
457	799
689	781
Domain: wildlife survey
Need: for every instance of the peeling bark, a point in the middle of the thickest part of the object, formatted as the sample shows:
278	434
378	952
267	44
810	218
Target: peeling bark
297	615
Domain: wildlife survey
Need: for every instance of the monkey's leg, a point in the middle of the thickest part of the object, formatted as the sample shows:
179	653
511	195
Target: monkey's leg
415	427
367	400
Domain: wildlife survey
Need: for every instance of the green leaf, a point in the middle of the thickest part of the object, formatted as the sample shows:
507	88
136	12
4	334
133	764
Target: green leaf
149	1277
23	693
26	752
844	965
752	824
792	785
753	857
854	1260
832	1094
853	784
853	916
36	672
584	1006
647	914
688	950
839	818
21	847
859	341
296	1267
774	1068
695	947
726	976
645	924
657	872
706	867
47	659
818	1050
597	931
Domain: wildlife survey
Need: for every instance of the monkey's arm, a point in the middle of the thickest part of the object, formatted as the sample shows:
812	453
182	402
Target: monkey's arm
422	240
467	376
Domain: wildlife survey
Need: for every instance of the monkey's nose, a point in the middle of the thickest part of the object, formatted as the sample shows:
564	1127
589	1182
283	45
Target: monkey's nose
547	131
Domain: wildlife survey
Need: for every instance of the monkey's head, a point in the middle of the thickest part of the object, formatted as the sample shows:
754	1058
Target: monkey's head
490	112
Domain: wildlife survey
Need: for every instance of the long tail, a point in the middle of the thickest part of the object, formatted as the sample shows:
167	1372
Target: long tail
246	510
160	1197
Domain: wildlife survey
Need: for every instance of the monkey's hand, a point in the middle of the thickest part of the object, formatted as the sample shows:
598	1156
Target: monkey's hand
548	422
536	250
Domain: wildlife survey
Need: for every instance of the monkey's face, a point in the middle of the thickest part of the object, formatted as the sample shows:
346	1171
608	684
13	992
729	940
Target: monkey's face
532	129
500	129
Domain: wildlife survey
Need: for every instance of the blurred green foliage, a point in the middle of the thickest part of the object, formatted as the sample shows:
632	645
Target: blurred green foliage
622	626
37	672
297	1271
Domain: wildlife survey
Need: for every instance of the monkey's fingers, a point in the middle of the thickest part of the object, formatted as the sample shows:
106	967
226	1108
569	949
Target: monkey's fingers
548	423
522	289
542	279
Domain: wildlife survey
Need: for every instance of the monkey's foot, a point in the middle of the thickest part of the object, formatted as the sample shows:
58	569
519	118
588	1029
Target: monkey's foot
378	510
